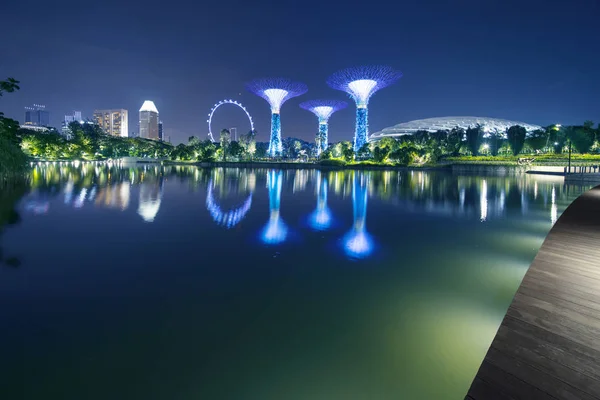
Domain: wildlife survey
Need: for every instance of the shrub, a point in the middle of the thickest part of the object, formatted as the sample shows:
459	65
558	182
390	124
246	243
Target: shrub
333	162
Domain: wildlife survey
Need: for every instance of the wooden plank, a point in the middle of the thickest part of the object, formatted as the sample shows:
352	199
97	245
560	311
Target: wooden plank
506	384
548	345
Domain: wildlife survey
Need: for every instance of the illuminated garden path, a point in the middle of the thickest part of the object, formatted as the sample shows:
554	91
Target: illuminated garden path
548	346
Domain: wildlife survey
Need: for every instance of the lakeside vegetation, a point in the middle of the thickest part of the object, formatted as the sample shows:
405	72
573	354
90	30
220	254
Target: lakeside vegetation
87	142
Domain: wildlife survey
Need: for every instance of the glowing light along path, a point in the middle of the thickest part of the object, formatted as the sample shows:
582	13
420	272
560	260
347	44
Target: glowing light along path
230	218
360	84
358	243
219	104
275	232
276	91
323	109
320	219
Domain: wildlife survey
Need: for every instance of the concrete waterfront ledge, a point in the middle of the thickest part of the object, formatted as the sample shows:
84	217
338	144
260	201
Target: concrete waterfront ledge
285	165
506	170
548	345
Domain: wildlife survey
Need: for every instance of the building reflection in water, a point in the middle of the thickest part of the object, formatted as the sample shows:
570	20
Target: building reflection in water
553	207
487	199
275	231
358	243
230	218
320	219
114	197
483	201
151	191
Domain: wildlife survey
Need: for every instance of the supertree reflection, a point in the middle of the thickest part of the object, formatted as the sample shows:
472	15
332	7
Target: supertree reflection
275	231
358	243
230	218
320	219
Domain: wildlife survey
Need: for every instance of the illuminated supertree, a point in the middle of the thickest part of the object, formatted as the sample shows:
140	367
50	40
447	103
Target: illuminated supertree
361	83
320	219
276	231
323	109
358	243
276	91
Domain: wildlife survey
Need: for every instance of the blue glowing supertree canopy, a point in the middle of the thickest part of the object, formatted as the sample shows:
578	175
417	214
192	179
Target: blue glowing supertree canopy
276	91
323	109
362	82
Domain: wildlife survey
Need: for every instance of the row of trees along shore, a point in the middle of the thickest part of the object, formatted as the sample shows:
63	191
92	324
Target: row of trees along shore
87	141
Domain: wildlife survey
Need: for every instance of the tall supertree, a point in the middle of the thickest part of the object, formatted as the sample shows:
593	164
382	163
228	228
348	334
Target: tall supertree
323	109
276	91
361	83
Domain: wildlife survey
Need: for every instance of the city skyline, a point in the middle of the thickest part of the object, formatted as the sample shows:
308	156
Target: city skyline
517	67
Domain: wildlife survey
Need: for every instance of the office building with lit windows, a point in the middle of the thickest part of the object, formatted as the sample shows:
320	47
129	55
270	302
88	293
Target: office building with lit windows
37	115
149	121
113	122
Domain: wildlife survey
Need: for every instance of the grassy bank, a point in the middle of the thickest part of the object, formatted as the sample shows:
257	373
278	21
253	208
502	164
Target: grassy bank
538	160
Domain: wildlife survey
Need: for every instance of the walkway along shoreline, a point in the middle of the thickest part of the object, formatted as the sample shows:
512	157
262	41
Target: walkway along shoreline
548	345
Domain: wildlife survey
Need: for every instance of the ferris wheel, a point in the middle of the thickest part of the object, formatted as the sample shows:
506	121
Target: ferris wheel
219	104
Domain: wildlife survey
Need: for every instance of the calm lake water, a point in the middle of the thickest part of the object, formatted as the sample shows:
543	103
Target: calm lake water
254	284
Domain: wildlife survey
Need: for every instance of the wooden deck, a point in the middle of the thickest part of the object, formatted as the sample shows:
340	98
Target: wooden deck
548	346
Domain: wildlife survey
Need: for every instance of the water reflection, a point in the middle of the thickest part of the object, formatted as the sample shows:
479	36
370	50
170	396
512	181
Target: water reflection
358	243
113	197
151	191
487	199
320	219
451	252
275	231
229	218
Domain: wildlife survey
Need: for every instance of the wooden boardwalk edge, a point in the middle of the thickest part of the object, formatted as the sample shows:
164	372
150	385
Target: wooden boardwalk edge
548	345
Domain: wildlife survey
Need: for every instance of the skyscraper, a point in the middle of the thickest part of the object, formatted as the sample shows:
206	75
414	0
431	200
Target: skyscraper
160	131
149	121
113	122
37	115
75	117
233	133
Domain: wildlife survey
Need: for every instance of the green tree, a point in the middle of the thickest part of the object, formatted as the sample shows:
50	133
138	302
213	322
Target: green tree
193	141
347	151
364	152
225	142
9	86
380	154
537	139
557	137
261	150
474	139
248	142
494	142
516	138
582	137
454	141
235	149
406	154
208	151
12	158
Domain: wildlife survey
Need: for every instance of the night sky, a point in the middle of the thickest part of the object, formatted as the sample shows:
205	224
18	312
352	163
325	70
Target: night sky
535	61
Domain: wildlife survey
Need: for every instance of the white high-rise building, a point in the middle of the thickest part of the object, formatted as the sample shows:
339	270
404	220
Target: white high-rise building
149	121
113	122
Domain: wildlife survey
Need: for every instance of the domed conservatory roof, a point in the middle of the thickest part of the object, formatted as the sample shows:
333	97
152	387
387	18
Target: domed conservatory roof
447	123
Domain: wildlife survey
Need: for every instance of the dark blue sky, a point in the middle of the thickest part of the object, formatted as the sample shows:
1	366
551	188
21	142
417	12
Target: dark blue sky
531	60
